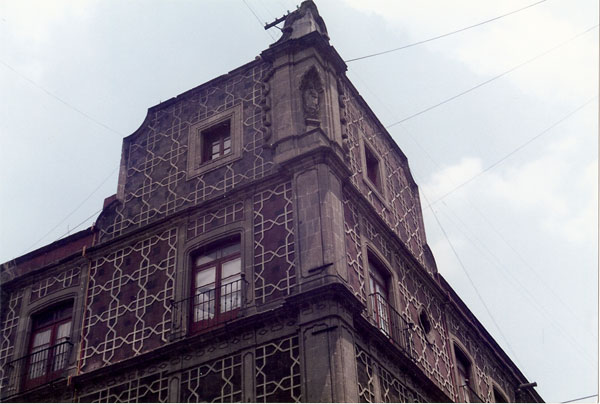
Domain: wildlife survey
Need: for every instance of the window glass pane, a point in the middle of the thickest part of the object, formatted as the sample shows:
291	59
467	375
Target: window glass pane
61	349
39	358
63	332
206	258
205	278
41	339
230	249
231	295
204	305
37	364
230	268
227	143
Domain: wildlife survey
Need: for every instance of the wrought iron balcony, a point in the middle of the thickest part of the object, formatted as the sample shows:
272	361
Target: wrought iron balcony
470	395
207	309
37	368
390	322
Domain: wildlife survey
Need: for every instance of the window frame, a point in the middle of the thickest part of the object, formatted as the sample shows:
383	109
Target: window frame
497	391
372	165
221	132
219	316
379	277
197	163
467	391
54	348
380	189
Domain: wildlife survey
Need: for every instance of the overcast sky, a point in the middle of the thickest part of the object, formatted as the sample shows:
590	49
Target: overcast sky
78	76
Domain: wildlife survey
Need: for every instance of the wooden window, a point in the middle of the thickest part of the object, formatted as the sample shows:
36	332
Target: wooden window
217	285
216	141
463	370
379	297
372	165
499	397
49	345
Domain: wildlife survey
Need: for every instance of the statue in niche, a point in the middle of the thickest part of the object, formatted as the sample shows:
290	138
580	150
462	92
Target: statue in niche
312	89
311	102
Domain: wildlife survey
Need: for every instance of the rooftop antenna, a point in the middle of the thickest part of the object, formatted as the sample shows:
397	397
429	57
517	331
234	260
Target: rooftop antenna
277	21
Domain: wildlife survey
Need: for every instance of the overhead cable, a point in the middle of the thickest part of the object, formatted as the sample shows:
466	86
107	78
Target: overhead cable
492	79
443	35
580	398
514	150
91	118
257	19
72	212
471	282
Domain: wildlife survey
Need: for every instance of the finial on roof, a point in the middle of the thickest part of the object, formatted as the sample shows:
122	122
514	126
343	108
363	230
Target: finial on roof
302	21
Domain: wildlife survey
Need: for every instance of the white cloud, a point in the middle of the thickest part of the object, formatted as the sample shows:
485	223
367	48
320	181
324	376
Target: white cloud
582	225
449	177
29	27
491	49
547	188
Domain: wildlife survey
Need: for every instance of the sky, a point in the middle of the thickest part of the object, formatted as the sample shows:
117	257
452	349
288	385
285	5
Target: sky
507	167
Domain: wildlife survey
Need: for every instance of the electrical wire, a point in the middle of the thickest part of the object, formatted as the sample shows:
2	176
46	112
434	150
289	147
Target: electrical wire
72	212
491	79
483	216
443	35
84	220
91	118
258	19
514	151
472	283
580	398
515	281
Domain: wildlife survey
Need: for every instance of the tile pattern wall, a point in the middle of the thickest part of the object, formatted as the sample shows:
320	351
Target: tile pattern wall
128	309
51	284
157	182
278	371
218	381
274	243
400	208
10	323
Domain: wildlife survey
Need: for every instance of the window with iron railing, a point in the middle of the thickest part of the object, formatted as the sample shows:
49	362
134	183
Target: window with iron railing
217	289
382	313
465	381
379	289
49	349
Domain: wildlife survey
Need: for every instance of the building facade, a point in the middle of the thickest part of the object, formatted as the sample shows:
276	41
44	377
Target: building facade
265	243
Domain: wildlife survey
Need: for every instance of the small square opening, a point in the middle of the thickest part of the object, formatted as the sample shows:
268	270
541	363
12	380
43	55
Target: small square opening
372	164
216	141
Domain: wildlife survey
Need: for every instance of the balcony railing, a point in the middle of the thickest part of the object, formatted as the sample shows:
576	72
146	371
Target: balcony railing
38	368
390	322
207	309
470	395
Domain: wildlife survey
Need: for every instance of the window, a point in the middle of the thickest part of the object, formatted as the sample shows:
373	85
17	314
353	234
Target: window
379	296
216	141
499	397
217	285
372	166
463	370
49	345
424	321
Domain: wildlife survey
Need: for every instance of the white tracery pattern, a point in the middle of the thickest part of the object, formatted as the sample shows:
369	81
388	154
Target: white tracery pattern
10	322
128	305
278	371
274	248
157	182
62	280
402	210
